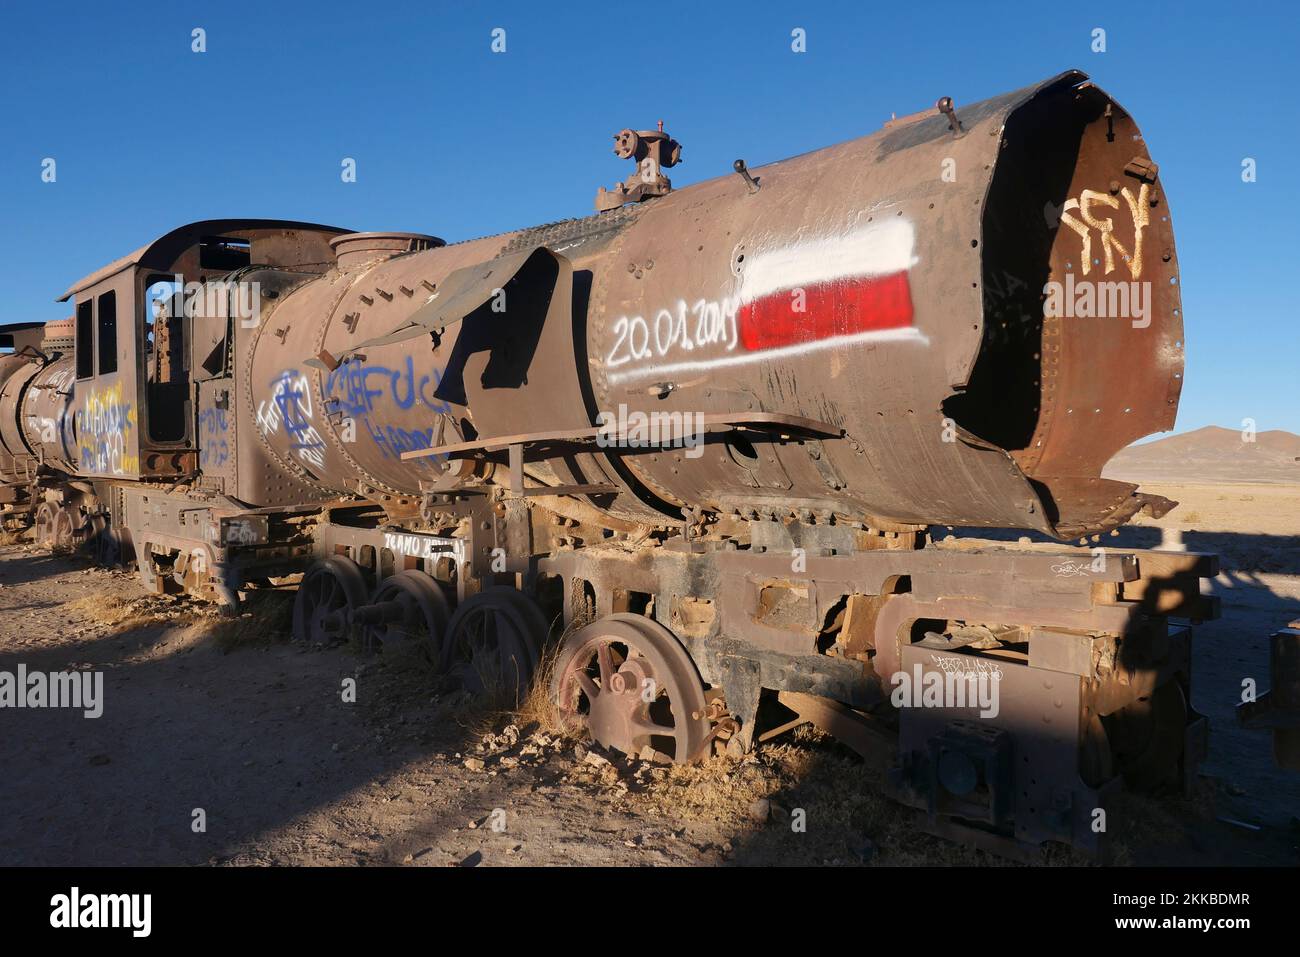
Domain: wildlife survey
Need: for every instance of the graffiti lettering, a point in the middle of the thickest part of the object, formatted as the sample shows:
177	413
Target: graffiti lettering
364	392
681	329
290	405
1089	199
356	386
104	426
424	546
214	445
967	664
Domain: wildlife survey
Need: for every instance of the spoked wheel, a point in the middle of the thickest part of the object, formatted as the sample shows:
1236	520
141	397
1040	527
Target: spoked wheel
329	592
493	642
407	606
1147	737
44	524
632	685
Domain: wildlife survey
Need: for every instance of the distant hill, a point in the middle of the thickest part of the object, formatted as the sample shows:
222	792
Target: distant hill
1211	454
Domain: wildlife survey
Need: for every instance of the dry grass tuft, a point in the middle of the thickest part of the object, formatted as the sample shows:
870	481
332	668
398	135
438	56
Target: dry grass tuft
267	617
536	713
126	614
538	710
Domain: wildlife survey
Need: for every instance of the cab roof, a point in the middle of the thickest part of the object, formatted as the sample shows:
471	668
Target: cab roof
163	252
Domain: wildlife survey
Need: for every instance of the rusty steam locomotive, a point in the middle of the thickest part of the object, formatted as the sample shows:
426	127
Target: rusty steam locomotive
698	438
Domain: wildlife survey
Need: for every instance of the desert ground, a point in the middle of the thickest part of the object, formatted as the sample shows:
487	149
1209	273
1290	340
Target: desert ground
231	725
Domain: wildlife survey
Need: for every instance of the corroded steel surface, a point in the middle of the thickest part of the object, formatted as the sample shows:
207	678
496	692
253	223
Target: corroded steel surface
859	285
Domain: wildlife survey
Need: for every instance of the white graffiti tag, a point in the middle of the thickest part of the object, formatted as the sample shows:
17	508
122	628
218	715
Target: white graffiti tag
424	546
678	330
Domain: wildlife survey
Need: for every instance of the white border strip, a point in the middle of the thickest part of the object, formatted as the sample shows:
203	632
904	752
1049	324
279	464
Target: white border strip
910	334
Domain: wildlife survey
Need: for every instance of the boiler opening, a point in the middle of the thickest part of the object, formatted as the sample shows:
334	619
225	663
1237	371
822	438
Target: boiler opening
1041	148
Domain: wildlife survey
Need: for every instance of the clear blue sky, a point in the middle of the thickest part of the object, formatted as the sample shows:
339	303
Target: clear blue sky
454	140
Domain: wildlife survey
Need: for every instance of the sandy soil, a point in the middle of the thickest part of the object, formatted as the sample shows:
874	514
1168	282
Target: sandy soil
251	728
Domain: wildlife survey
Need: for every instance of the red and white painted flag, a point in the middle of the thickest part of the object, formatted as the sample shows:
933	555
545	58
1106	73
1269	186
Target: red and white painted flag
816	293
850	287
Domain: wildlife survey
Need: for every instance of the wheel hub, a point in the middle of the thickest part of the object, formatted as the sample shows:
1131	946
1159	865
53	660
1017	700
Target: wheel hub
648	697
620	716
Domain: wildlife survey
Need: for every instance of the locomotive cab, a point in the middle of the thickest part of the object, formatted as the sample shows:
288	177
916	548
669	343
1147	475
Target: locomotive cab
150	327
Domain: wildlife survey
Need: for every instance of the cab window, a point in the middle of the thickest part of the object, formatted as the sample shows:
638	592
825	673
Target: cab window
85	344
107	308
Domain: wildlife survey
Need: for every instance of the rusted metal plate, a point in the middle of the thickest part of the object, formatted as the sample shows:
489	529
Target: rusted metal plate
1030	784
47	416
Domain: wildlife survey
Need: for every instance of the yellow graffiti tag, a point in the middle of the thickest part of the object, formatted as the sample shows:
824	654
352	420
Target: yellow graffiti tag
1090	198
104	426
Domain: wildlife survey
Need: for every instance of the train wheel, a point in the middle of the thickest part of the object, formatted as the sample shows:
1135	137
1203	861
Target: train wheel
1096	765
1147	738
65	530
529	620
44	524
408	605
632	685
493	642
329	592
